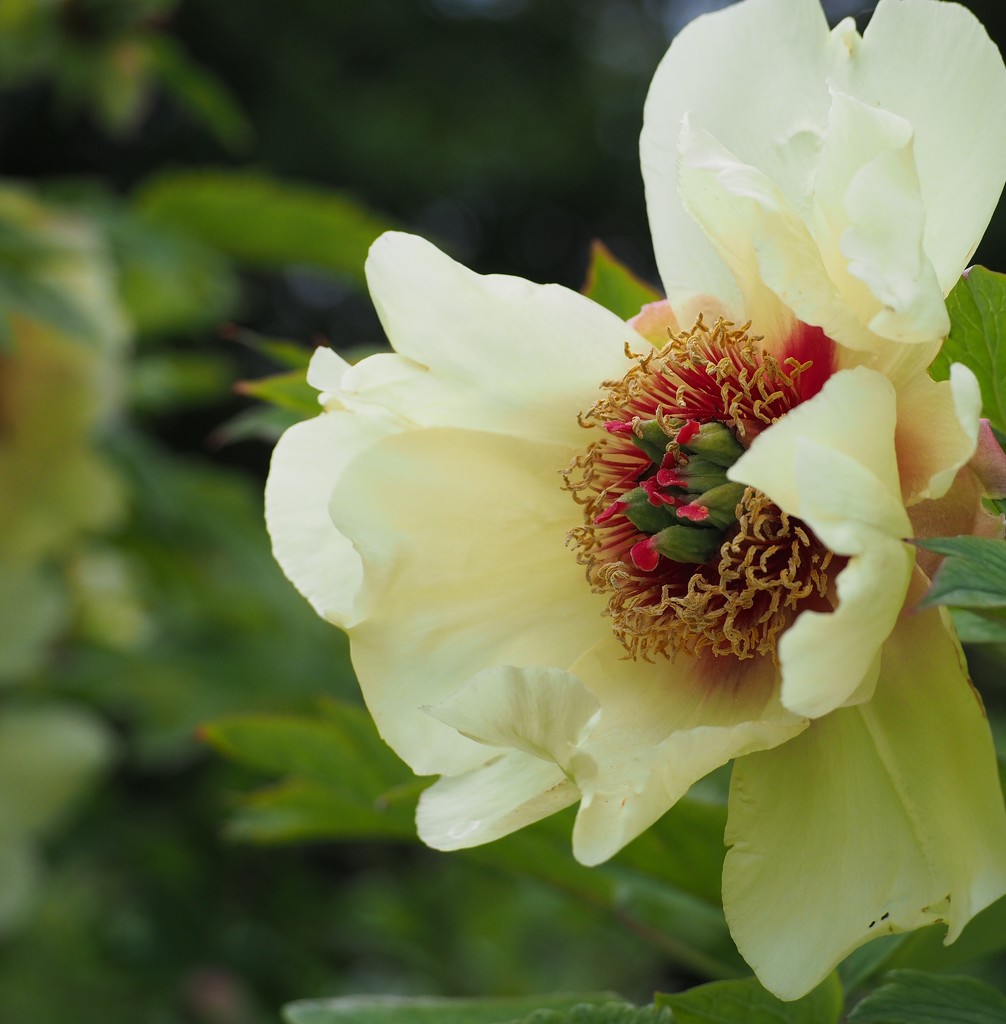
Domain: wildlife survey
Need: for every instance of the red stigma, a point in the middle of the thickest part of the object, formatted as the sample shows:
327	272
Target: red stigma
687	432
644	555
694	512
613	509
655	496
617	427
667	475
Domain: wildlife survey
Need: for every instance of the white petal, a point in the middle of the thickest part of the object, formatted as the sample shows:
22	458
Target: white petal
664	725
879	818
462	536
937	431
871	219
847	429
831	462
495	353
543	712
326	372
499	797
772	57
306	464
934	65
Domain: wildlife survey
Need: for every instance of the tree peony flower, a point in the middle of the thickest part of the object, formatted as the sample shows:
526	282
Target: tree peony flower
587	560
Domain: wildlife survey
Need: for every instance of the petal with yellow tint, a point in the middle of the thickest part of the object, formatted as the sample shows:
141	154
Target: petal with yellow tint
462	539
663	726
879	818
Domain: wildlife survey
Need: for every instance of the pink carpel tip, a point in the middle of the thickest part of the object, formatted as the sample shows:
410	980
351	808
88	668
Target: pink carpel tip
644	555
617	427
693	512
612	510
688	430
657	497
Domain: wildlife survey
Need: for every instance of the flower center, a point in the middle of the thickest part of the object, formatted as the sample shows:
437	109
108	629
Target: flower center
690	560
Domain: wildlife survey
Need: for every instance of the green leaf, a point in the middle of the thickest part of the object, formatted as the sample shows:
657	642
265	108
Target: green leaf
291	355
606	1013
973	575
977	308
200	93
264	222
418	1010
299	810
41	300
612	285
746	1002
914	997
342	750
980	627
288	390
169	282
260	423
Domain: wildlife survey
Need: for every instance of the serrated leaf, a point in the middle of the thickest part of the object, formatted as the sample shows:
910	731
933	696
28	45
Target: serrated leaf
398	1010
612	285
288	390
746	1002
914	997
972	575
264	222
977	308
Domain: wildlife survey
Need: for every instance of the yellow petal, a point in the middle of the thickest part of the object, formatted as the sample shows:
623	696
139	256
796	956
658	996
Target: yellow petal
663	726
878	818
462	536
490	353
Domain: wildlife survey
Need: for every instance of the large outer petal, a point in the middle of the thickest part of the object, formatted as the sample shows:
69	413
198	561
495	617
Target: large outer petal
306	465
934	65
663	726
461	534
879	818
781	51
486	352
831	462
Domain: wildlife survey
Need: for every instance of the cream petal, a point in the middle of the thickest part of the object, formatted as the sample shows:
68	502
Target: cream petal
831	659
937	431
782	52
868	205
664	725
879	818
314	555
934	65
847	431
543	712
506	793
325	373
498	353
462	537
831	462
